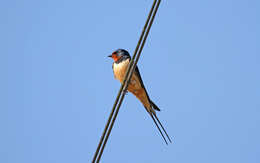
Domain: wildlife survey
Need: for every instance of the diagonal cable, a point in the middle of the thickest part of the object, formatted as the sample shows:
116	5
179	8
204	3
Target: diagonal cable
125	83
122	86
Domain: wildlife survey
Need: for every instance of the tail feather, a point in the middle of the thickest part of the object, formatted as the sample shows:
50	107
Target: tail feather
154	106
160	126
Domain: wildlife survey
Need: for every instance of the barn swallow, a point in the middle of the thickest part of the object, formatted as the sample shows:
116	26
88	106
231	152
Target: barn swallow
136	86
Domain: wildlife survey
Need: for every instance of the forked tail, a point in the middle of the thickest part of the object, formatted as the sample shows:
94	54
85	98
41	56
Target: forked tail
156	121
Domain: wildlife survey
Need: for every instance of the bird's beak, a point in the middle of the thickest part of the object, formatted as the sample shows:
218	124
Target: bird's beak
109	56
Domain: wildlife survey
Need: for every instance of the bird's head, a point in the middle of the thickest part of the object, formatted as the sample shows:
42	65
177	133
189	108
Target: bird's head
119	54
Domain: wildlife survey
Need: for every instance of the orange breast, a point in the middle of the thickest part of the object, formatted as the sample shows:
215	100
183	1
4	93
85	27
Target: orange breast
134	86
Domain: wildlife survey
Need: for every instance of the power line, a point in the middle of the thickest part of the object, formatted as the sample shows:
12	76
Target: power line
123	88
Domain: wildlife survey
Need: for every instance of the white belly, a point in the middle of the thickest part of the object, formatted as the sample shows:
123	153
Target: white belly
120	70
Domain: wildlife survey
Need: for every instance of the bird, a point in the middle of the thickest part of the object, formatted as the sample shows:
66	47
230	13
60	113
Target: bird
136	86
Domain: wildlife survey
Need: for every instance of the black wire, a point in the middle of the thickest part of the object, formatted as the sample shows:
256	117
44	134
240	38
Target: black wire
122	86
125	83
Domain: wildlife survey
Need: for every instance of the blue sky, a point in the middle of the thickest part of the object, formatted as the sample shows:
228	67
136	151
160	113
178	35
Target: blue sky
200	65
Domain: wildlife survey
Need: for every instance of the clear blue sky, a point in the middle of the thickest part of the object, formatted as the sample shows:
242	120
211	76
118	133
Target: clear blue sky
200	65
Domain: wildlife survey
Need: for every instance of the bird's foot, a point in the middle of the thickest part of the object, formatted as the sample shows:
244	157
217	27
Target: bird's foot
125	92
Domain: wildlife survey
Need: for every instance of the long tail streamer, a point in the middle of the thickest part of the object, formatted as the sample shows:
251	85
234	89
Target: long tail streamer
157	120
